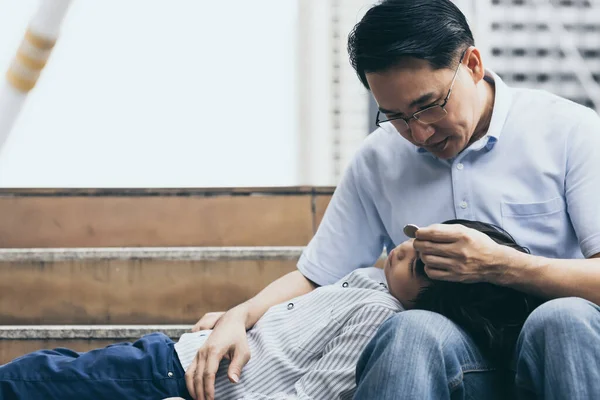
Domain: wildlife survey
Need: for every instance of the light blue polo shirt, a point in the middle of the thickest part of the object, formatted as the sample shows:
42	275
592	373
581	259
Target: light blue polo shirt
536	174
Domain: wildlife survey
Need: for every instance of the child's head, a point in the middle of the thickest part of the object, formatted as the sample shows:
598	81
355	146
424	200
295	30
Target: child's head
492	315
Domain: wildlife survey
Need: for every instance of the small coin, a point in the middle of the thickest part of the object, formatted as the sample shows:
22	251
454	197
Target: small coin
410	230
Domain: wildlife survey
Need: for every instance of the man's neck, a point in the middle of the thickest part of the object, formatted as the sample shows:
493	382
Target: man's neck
488	92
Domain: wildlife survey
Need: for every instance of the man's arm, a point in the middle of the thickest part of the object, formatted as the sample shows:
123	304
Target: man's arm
334	375
552	278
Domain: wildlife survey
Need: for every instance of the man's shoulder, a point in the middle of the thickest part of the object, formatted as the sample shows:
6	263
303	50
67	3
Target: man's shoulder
545	103
380	152
382	144
547	119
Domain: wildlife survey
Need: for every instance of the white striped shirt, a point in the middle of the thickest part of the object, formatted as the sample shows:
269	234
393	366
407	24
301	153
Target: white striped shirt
308	347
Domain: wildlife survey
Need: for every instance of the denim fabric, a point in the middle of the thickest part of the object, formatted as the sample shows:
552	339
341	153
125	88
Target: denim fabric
146	369
422	355
558	352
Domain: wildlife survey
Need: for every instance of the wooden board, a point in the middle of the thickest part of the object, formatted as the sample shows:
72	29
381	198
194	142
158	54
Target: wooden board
128	292
16	341
321	203
11	349
137	192
34	218
29	222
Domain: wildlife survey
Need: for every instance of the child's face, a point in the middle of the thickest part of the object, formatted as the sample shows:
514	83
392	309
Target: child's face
403	283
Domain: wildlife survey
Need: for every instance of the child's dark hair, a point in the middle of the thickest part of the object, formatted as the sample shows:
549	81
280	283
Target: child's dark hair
492	315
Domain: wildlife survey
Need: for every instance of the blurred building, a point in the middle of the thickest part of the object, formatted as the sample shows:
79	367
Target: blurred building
546	44
552	45
334	106
243	93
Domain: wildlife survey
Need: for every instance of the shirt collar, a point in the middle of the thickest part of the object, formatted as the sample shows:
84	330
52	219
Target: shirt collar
502	102
365	278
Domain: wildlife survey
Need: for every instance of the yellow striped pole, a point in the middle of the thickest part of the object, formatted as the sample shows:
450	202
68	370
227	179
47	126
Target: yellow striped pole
32	55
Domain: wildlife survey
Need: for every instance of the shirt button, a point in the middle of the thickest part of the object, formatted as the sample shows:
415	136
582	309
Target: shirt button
345	284
290	306
464	205
170	374
460	166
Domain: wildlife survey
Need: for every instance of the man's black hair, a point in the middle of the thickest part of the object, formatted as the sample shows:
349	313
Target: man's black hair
432	30
492	315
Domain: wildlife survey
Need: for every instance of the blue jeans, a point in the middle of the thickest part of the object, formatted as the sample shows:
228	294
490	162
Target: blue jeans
146	369
421	355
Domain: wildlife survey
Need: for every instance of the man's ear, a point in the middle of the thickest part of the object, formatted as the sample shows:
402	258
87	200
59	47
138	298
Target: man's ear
474	64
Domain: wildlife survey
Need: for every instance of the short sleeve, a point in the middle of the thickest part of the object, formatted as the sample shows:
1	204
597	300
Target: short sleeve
582	182
350	236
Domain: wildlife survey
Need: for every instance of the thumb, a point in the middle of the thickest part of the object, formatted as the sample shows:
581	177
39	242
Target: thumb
240	358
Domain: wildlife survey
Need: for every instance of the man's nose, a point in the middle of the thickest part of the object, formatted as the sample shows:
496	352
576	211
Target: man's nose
421	132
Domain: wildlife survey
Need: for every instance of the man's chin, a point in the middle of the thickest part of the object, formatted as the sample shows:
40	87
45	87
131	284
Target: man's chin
449	151
443	155
446	154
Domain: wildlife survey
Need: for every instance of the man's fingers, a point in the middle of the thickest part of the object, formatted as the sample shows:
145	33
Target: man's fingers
433	248
438	274
239	360
437	262
441	233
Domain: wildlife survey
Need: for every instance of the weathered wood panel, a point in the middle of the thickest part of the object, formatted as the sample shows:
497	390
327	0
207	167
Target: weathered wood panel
128	291
155	221
34	218
11	349
16	341
321	203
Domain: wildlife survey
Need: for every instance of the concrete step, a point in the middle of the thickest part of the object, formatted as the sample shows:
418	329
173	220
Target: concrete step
17	340
133	285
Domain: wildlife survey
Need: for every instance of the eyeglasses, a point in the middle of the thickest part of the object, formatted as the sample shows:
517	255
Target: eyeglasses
426	116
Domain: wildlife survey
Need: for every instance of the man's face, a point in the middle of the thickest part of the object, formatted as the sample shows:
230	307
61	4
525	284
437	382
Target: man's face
415	85
399	268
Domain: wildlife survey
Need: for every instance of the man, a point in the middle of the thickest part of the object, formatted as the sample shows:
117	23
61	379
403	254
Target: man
305	348
454	142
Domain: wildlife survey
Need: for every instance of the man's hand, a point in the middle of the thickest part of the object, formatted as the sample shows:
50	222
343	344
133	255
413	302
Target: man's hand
460	254
208	321
227	340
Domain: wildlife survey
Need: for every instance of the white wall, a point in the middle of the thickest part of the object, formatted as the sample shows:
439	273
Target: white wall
154	93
